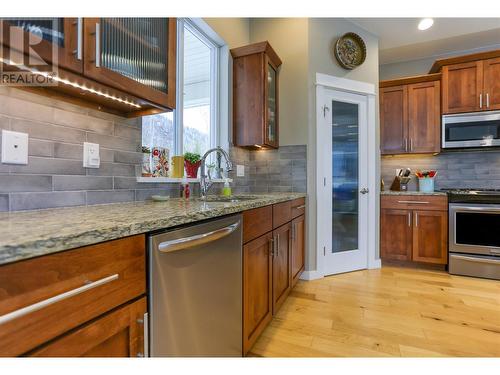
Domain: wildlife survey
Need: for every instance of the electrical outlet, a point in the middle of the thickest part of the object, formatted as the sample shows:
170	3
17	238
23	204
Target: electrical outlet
240	170
14	147
91	157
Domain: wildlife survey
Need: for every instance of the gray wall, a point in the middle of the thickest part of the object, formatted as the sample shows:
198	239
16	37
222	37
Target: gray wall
55	177
478	169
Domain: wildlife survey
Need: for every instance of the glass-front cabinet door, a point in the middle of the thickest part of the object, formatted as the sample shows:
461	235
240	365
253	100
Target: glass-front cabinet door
53	40
271	127
136	55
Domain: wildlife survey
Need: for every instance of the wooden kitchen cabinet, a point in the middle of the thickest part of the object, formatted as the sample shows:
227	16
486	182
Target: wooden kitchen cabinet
256	96
471	83
273	260
125	66
430	236
136	55
424	117
116	334
410	115
492	83
257	288
395	234
63	33
282	277
414	228
394	120
463	87
75	286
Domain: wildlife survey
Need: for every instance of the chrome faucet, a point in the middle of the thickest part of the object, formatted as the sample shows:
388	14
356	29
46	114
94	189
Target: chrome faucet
206	179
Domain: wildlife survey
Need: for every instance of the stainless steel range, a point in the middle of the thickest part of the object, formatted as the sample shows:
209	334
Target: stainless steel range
474	232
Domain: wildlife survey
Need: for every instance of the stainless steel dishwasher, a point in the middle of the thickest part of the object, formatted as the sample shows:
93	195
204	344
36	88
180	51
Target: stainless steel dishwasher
195	290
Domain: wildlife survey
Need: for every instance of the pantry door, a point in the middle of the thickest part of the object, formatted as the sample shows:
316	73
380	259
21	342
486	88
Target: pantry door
342	160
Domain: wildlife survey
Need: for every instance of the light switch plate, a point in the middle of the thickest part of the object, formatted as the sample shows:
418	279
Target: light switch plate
240	170
14	147
91	158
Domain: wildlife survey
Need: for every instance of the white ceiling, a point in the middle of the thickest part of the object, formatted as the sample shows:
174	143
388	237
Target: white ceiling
400	39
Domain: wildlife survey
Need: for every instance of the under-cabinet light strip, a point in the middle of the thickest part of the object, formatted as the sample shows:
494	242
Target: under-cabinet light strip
73	84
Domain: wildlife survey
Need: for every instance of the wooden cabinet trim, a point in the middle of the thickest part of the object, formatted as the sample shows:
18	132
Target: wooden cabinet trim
441	63
410	80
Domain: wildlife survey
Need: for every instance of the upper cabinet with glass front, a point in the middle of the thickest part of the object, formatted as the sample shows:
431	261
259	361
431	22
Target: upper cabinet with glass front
255	96
136	55
123	65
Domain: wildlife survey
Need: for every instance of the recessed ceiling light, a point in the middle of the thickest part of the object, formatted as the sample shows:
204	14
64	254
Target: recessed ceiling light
425	23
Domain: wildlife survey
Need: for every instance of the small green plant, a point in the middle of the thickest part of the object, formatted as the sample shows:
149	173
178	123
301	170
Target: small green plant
192	158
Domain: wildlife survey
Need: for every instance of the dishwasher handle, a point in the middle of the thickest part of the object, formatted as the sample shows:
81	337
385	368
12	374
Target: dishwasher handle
197	239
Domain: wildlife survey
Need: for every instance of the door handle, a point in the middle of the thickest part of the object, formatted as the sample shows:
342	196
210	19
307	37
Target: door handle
414	202
145	326
58	298
271	246
411	144
480	100
79	38
409	219
487	100
98	45
198	239
416	219
406	144
364	191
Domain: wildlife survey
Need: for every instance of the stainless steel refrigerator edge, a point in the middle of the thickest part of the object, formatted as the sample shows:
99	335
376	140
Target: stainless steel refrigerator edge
195	290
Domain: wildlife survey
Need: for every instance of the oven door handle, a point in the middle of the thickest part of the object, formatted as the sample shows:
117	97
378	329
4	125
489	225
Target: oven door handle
477	260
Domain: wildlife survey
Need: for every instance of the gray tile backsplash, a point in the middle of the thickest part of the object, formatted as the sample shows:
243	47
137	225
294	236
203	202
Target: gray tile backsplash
457	169
55	177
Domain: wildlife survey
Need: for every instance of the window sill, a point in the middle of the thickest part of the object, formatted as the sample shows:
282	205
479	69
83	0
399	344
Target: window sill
174	180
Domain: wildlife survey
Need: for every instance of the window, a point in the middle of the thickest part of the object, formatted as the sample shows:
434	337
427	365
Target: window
192	127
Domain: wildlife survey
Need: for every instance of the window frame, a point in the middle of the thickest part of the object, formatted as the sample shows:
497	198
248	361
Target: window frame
178	113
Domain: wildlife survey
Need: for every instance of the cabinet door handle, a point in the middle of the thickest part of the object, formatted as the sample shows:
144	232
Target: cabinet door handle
406	144
480	100
58	298
411	144
145	326
98	45
278	245
416	219
409	219
414	202
271	246
487	100
79	38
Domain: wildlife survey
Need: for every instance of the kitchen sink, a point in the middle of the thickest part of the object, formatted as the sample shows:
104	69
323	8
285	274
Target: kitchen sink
231	199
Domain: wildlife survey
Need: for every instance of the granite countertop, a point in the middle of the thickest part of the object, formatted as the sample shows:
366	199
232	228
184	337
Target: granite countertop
390	192
28	234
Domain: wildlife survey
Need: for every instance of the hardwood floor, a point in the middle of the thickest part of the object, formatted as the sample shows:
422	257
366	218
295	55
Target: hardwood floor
393	312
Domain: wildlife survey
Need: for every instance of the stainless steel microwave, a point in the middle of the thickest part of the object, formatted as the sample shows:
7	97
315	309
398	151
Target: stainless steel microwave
477	129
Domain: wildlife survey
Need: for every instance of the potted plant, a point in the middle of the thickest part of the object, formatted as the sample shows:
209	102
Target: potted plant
192	162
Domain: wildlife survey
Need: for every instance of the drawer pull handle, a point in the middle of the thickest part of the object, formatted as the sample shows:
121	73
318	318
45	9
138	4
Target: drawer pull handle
145	325
414	202
300	207
58	298
477	260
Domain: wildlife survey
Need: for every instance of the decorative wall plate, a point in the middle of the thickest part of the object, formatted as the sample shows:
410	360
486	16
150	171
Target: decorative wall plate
350	51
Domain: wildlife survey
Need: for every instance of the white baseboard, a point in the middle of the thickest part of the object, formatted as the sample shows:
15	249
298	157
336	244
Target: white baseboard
374	263
311	275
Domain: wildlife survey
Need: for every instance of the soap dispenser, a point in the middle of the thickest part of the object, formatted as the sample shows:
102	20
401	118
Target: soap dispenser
226	191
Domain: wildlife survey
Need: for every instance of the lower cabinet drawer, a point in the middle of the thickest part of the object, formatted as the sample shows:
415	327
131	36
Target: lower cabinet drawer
414	202
120	333
44	297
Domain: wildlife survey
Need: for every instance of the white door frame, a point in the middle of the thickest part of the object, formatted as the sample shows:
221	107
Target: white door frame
323	83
